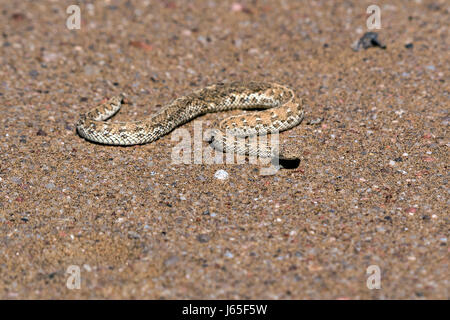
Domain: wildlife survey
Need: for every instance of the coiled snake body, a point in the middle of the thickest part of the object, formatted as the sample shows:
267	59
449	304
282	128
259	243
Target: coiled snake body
283	113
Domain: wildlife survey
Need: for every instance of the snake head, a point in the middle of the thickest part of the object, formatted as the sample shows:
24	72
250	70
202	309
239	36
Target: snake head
117	100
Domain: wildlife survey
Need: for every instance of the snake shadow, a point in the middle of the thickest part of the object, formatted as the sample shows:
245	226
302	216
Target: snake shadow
289	164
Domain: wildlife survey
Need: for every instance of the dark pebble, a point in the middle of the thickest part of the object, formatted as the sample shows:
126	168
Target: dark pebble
409	46
18	16
41	132
33	73
133	235
203	238
399	159
368	40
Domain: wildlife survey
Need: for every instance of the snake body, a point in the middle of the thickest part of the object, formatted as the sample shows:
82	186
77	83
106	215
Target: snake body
282	113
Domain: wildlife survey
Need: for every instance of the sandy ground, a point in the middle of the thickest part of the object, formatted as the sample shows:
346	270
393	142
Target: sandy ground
370	189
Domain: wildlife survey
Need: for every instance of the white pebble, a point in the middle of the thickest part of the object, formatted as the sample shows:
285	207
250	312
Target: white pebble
221	174
236	7
87	267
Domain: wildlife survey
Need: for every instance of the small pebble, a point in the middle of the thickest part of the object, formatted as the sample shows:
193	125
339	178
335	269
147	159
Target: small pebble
203	238
141	45
41	132
133	235
171	261
314	121
87	267
221	174
16	180
90	70
50	186
237	7
186	32
411	210
33	73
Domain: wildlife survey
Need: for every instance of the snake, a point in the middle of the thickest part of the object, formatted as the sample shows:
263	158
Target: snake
278	110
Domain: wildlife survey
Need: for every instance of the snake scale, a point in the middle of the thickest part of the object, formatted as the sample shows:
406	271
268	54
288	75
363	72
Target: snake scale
281	111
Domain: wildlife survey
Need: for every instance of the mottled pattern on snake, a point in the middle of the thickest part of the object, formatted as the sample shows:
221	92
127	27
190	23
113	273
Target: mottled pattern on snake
283	112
